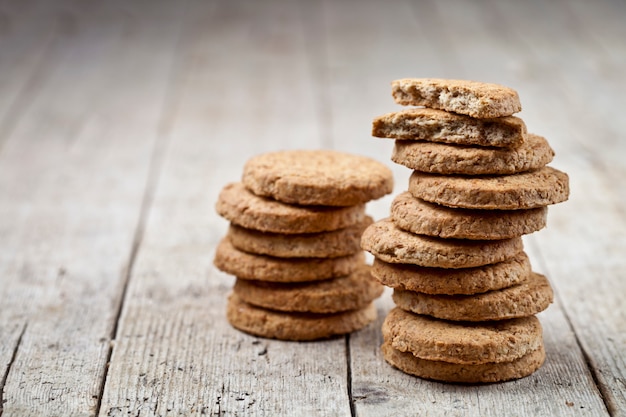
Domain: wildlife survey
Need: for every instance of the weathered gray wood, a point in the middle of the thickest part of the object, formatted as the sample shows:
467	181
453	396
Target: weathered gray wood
574	108
27	34
175	353
557	389
461	51
581	248
91	93
72	177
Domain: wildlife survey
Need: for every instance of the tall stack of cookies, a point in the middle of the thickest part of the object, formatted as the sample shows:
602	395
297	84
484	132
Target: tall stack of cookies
465	293
293	243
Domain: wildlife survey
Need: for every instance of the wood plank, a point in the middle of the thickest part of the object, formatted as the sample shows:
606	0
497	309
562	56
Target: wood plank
459	50
72	177
588	279
22	37
582	81
257	77
551	391
27	32
26	171
567	130
250	92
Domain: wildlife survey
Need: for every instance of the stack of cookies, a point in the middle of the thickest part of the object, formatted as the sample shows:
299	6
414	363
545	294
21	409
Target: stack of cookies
465	293
296	221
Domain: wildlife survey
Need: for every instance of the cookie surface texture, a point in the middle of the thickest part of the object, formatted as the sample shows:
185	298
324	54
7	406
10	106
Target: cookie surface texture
421	217
462	373
267	268
295	326
439	158
475	99
351	292
430	125
240	206
522	300
525	190
341	242
393	245
453	281
466	343
317	177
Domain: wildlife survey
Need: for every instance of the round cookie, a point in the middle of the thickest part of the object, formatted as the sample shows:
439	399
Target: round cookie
267	268
295	326
462	373
329	296
421	217
505	192
341	242
440	158
393	245
317	177
453	281
243	208
522	300
467	343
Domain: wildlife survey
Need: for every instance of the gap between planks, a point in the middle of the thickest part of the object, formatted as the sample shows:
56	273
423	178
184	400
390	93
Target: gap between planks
349	376
10	365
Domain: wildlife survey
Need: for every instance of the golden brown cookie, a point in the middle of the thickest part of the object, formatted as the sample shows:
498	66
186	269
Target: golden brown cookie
317	177
295	326
504	192
440	158
476	99
268	268
421	217
430	125
245	209
351	292
393	245
465	343
453	281
521	300
341	242
462	373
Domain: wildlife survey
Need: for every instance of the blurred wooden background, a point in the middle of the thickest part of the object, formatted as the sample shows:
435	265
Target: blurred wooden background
121	121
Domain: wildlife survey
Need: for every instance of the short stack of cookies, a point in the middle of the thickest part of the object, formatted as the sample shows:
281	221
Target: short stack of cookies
465	293
293	243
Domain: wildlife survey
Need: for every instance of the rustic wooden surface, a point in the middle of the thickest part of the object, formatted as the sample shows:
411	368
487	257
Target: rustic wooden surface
121	121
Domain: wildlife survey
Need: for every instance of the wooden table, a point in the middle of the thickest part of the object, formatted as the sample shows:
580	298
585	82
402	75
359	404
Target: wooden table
121	121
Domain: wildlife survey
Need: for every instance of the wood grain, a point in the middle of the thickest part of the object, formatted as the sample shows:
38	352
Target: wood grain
173	336
584	269
373	397
72	181
28	32
563	385
120	122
